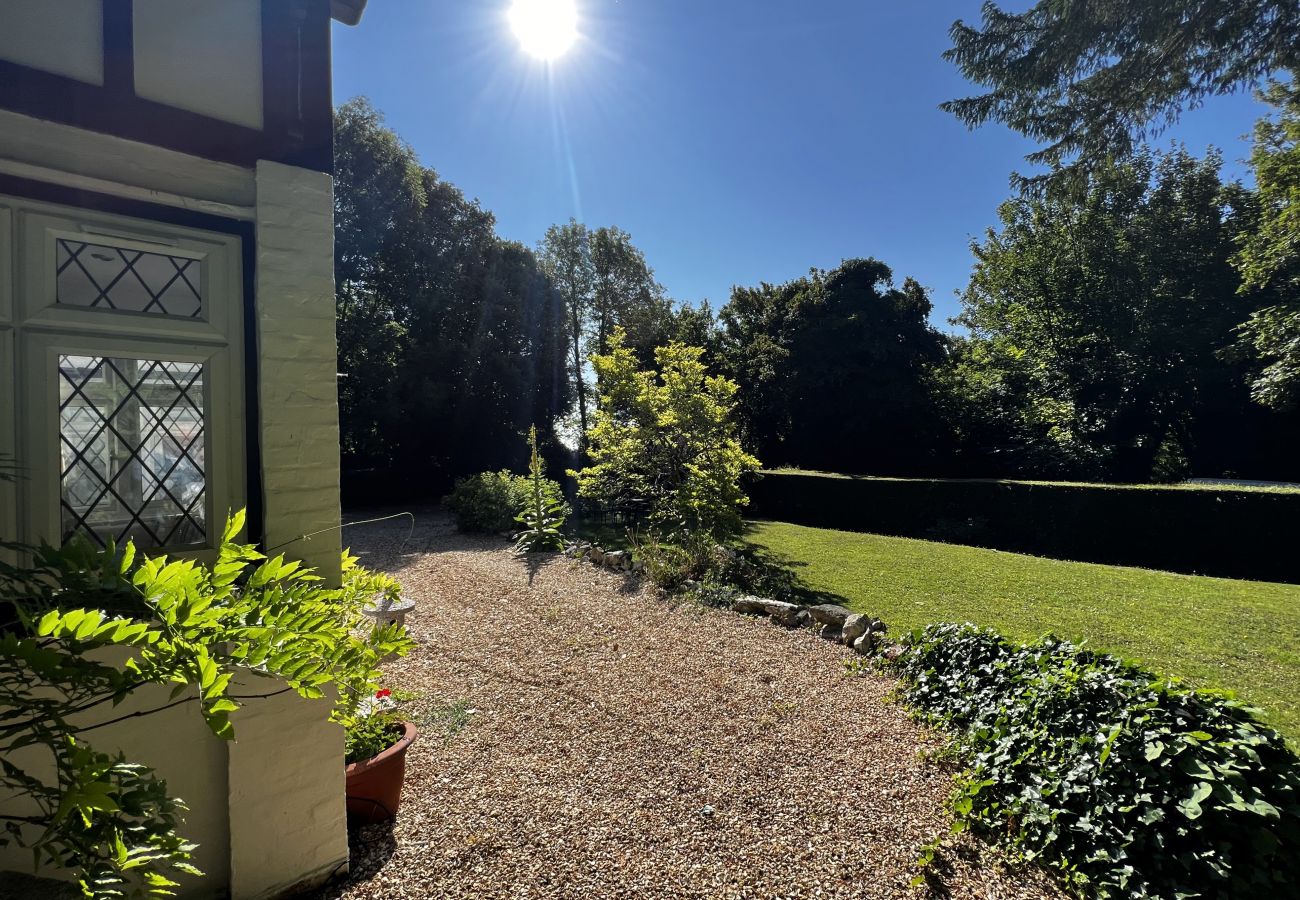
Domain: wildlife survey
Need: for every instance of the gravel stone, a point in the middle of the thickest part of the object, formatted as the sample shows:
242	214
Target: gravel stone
830	633
790	615
607	718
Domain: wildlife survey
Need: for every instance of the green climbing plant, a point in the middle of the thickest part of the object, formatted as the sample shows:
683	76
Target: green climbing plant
175	623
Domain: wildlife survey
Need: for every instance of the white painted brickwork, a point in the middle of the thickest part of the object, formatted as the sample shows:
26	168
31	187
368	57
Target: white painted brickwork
299	363
287	815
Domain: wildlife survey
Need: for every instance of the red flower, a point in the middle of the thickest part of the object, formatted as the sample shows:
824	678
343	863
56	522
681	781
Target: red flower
382	693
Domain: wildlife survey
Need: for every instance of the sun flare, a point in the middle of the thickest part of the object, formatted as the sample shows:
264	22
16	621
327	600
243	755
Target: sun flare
546	29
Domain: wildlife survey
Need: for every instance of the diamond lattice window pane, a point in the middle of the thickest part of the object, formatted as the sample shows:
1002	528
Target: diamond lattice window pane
103	277
131	436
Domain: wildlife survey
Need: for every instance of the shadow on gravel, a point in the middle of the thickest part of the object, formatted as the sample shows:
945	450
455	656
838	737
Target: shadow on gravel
405	534
370	847
534	562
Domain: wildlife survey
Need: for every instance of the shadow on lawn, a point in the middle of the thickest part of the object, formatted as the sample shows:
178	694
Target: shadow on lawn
769	573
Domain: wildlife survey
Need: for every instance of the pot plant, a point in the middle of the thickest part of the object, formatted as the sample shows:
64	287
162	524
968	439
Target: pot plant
376	736
377	740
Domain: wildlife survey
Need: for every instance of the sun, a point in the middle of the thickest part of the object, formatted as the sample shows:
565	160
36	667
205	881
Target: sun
546	29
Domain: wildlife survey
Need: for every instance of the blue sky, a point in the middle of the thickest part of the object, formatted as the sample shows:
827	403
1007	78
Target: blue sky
737	140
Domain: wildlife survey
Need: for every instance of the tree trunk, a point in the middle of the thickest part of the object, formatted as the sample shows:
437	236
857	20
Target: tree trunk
575	322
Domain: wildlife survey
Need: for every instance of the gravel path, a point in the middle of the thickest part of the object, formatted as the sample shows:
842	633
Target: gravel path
582	738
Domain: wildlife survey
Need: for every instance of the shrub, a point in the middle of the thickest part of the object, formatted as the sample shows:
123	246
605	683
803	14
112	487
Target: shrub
1125	784
666	439
486	502
715	592
670	566
490	501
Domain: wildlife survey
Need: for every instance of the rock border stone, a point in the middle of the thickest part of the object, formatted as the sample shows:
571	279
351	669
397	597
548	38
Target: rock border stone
866	635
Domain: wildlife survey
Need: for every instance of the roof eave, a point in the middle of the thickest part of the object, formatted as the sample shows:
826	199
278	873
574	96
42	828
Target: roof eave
347	11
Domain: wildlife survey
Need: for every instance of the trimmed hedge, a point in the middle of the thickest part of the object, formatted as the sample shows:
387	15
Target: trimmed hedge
1224	532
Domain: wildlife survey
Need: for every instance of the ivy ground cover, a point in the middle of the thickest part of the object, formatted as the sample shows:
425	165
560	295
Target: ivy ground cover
1239	636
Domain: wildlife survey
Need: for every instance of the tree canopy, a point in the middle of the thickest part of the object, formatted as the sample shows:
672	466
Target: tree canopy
452	341
1269	258
1144	324
1097	323
606	284
1092	80
834	369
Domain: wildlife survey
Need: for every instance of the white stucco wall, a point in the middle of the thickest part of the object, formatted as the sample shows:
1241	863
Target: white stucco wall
65	37
267	810
287	809
298	353
201	55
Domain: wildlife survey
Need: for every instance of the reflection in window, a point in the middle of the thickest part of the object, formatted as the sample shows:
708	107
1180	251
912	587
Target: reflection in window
103	277
131	437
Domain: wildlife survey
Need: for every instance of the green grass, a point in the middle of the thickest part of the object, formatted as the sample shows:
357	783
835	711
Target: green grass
1236	636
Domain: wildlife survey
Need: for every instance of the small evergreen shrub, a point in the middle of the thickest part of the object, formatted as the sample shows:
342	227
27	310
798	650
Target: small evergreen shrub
490	501
664	439
1123	783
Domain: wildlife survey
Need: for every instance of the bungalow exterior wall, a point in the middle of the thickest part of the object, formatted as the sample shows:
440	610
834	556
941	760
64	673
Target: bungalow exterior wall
189	157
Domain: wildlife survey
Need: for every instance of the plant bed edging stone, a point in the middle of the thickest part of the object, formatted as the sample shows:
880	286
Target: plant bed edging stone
618	560
838	624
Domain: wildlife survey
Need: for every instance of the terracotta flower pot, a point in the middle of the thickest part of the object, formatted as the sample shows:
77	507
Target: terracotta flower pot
374	785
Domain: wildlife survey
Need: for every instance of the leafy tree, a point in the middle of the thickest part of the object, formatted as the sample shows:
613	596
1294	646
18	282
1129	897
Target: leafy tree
666	438
1092	80
860	364
835	369
625	293
1269	258
565	253
1097	321
451	340
606	284
758	326
695	326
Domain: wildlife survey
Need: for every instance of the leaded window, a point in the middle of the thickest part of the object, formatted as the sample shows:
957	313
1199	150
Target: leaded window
131	433
100	276
125	413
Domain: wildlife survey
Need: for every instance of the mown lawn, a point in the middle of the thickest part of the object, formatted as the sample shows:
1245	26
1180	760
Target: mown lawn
1237	636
